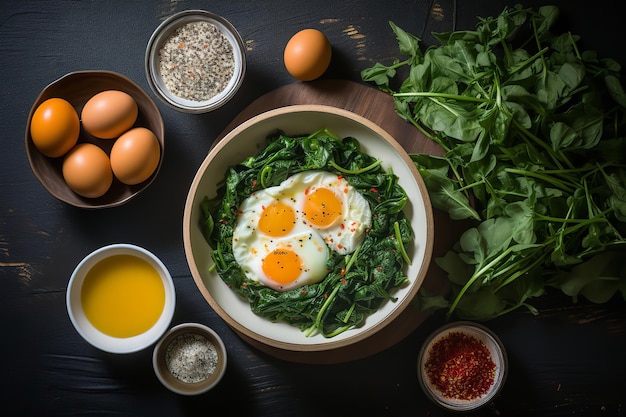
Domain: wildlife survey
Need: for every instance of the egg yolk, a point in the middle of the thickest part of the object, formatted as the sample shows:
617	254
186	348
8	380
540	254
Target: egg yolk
277	219
322	207
282	265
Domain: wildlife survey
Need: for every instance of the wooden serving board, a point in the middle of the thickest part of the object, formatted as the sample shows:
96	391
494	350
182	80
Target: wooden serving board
378	107
363	100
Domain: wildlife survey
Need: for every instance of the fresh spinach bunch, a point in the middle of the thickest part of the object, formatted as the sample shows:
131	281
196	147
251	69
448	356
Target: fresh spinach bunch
531	130
357	283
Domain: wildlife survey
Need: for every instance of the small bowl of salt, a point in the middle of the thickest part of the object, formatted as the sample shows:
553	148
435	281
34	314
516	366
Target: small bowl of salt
190	359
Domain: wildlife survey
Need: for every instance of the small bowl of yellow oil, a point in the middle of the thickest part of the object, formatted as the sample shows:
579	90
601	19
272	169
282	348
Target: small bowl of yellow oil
121	298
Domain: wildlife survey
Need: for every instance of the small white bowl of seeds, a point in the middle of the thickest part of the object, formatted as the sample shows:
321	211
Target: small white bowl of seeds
190	359
195	61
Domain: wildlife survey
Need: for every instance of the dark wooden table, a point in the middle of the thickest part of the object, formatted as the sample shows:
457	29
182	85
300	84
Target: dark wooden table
569	360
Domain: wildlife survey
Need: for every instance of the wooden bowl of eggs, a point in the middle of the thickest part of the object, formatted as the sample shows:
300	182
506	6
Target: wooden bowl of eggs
94	139
308	229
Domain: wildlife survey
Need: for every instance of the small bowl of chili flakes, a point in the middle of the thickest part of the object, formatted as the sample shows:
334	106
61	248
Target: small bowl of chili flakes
462	366
195	61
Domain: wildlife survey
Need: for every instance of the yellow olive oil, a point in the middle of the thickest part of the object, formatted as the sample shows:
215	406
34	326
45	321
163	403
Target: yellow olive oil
123	296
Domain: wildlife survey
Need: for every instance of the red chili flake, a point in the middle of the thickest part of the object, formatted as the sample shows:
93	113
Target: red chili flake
253	184
339	246
223	221
344	281
379	268
244	284
340	176
303	292
343	226
374	190
460	366
325	295
343	271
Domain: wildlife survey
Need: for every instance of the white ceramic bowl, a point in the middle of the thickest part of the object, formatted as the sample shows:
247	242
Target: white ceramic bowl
161	35
96	337
498	356
245	141
174	384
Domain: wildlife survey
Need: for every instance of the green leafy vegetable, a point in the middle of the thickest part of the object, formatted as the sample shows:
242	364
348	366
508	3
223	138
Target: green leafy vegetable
357	283
534	154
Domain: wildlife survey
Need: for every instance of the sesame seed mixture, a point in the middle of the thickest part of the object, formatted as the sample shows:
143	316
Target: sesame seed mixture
191	358
197	61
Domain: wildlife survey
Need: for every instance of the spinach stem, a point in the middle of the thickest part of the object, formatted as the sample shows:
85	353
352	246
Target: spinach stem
371	166
266	172
428	134
352	258
518	273
528	135
538	175
349	313
428	94
327	303
529	61
475	277
324	131
405	256
338	331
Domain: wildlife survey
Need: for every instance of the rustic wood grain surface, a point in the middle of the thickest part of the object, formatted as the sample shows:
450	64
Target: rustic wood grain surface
567	361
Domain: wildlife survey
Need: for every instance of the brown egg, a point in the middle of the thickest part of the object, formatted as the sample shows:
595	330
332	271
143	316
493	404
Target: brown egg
109	113
87	170
135	156
307	54
54	127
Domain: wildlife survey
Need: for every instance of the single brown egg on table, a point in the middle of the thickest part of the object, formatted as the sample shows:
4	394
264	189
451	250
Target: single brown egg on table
307	55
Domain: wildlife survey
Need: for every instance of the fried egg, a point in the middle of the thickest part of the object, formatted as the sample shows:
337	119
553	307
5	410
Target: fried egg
284	234
273	248
328	204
